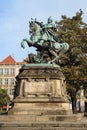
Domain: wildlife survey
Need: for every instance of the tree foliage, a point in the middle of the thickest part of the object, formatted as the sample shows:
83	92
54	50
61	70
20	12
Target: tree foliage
4	98
74	62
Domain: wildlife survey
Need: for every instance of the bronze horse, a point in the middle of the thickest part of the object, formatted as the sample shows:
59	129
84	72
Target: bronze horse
39	39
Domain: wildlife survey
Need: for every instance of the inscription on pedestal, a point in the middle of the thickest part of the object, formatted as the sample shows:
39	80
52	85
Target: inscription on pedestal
38	88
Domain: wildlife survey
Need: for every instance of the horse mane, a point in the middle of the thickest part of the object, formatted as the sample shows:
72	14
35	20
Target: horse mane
39	23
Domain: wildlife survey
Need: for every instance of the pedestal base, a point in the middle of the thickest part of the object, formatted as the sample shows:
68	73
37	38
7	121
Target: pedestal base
41	91
40	106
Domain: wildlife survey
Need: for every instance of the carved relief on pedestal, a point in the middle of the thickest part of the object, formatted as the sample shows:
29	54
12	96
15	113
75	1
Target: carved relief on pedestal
36	87
63	89
41	87
40	72
57	88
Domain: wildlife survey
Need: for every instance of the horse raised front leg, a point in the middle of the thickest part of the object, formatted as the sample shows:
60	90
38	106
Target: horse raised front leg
22	44
28	42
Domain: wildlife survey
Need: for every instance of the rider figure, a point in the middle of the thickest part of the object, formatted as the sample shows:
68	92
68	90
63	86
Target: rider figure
48	31
49	24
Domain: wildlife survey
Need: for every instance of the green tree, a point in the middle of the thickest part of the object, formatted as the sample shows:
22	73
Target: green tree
74	62
4	98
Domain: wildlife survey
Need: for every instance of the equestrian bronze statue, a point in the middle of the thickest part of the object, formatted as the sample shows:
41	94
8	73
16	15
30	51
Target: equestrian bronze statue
44	38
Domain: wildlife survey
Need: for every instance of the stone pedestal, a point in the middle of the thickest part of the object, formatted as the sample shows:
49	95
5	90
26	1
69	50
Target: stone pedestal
41	91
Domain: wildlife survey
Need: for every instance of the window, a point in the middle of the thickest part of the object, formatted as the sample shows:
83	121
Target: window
6	81
12	81
11	91
0	81
12	71
1	71
6	71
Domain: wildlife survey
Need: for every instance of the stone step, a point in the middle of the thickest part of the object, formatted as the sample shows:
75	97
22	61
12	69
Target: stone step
40	118
43	125
40	112
41	128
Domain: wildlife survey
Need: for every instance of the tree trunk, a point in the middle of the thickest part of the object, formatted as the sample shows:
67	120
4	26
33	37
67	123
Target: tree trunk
74	105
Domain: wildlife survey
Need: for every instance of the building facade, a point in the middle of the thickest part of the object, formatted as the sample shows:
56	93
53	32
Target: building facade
9	69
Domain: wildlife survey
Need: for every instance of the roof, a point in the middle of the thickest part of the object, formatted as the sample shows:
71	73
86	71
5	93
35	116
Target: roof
10	60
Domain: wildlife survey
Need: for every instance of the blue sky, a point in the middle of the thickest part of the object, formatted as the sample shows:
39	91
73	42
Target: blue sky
15	15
